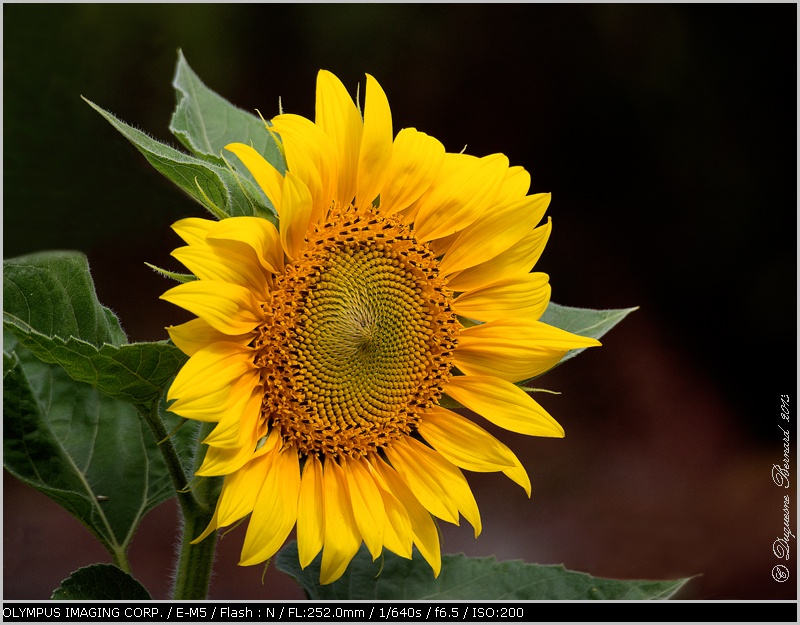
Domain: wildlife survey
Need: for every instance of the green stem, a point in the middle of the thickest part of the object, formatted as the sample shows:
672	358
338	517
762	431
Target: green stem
121	560
171	458
193	572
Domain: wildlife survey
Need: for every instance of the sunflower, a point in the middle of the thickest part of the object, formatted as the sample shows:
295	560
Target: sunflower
323	349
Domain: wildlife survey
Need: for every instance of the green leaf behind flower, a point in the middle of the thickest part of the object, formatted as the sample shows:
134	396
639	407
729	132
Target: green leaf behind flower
223	192
583	321
70	387
54	292
100	581
205	122
91	454
393	577
51	308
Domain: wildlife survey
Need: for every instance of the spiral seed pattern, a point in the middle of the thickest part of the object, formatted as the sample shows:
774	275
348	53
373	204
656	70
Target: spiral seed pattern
359	337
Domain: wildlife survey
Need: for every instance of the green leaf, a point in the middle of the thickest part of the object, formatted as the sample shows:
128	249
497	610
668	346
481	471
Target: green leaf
136	373
583	321
54	292
100	581
206	122
91	454
223	192
178	277
393	577
51	308
69	381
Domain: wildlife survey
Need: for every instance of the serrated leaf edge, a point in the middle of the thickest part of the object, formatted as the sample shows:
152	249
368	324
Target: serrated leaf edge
17	326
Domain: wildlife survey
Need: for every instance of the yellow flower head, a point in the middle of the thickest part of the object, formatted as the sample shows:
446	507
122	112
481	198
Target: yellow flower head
400	273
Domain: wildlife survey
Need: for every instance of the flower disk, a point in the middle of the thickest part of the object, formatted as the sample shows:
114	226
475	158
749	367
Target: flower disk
398	274
359	339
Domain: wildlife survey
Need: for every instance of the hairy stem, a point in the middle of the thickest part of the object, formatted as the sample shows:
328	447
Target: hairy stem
193	571
174	467
121	560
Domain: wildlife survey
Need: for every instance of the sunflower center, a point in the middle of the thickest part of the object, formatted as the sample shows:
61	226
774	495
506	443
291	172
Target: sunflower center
360	340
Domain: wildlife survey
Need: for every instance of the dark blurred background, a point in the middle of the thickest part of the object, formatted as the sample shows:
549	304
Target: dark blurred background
667	136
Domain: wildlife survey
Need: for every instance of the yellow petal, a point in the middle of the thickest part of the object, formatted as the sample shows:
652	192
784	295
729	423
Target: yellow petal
267	177
211	402
451	165
424	530
257	233
211	369
515	185
416	159
469	446
342	538
228	308
367	503
526	296
241	419
213	524
238	496
275	511
517	260
494	232
514	348
376	145
193	229
441	246
458	199
427	487
214	263
310	522
295	215
311	157
307	172
463	443
457	485
519	475
224	461
240	490
503	404
339	118
398	536
194	335
436	482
